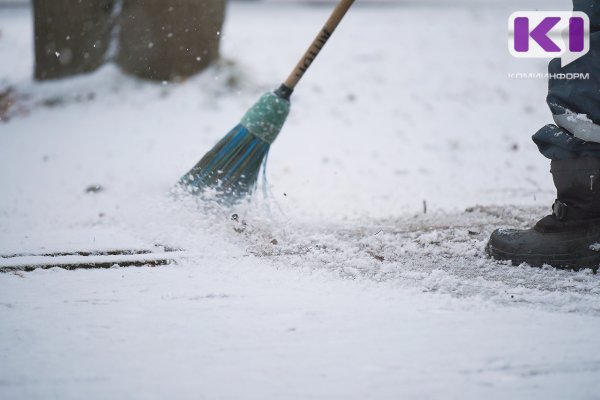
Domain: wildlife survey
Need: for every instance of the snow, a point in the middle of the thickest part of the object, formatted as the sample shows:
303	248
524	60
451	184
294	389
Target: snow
337	285
250	330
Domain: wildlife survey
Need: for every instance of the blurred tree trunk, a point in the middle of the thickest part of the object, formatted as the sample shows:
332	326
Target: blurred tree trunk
169	39
71	36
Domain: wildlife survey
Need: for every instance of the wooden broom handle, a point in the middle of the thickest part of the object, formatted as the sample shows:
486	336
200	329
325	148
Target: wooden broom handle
317	44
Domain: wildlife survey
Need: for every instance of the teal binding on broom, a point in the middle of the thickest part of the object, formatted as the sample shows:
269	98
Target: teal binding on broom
266	118
233	164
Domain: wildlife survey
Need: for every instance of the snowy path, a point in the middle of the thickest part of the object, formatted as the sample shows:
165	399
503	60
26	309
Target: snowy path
249	330
338	287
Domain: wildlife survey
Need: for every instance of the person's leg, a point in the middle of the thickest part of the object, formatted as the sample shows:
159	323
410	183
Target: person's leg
572	99
570	236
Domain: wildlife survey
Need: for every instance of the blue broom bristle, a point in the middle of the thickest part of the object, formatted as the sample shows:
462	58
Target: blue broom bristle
231	166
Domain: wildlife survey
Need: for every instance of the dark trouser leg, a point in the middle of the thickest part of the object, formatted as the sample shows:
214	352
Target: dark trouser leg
567	98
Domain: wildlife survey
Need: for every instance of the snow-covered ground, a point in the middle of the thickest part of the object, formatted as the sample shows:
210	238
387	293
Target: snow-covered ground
335	286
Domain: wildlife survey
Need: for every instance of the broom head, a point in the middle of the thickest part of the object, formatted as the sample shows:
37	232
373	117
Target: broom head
232	166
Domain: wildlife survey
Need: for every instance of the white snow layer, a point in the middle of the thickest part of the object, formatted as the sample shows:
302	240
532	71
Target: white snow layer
337	285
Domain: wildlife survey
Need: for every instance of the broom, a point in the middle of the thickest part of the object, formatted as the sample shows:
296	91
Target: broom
232	166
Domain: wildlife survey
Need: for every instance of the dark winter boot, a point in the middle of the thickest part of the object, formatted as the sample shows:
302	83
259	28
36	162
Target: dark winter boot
570	236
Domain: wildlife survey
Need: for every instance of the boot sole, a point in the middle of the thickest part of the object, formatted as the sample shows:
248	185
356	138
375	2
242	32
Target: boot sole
561	261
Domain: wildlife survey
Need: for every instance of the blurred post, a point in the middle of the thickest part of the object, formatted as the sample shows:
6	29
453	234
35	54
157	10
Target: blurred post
169	39
71	37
